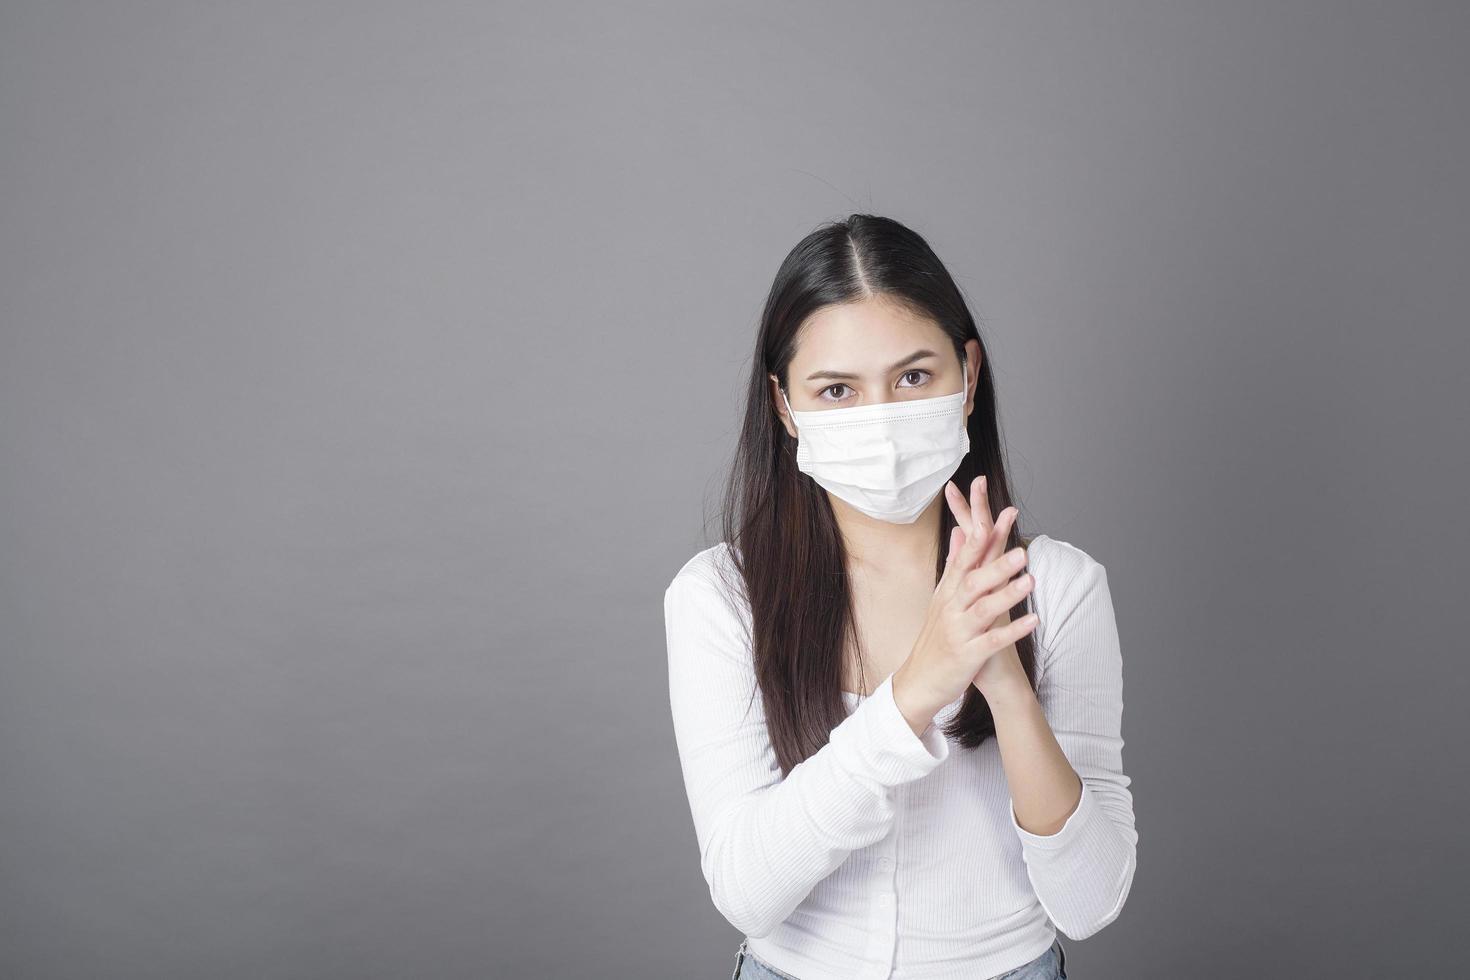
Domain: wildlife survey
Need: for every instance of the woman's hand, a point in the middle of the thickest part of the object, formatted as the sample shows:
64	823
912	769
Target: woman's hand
967	626
1002	671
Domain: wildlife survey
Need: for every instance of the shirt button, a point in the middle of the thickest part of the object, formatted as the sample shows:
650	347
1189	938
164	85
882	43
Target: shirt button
884	899
885	863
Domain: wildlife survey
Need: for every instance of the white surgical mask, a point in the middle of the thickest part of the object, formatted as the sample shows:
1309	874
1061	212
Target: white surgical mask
888	460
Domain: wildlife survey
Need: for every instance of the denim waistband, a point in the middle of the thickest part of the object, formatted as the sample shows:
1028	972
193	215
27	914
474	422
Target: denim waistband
743	954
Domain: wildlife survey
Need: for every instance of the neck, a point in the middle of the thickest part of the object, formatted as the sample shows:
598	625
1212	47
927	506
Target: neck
882	546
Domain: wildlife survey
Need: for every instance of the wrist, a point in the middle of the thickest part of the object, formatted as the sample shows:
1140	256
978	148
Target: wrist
1006	686
911	701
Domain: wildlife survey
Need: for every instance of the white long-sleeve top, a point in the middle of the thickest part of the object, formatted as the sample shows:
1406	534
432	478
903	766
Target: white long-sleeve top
888	854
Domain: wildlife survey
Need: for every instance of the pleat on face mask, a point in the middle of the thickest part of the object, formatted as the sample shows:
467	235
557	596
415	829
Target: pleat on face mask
888	460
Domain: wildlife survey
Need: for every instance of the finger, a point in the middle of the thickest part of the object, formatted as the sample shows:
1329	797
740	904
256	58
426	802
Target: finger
993	575
957	506
975	541
969	553
1000	600
1004	635
980	505
949	577
1000	534
956	538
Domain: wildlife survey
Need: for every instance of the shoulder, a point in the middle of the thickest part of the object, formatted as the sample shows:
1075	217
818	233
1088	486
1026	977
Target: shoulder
713	568
1071	590
703	566
709	576
1055	562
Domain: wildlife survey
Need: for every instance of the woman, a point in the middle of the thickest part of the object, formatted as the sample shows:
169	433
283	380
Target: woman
903	760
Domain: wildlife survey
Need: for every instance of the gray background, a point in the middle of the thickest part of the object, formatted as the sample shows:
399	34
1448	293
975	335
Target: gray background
368	370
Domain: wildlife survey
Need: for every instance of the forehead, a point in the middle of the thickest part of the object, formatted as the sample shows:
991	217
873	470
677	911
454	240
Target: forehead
862	337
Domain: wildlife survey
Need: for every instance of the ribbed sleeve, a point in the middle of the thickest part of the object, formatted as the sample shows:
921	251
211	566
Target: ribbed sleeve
1082	873
764	841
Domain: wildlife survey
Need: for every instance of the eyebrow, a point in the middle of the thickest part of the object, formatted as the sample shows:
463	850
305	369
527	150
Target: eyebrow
917	355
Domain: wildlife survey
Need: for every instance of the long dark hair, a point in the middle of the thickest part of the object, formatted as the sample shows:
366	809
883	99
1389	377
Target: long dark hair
778	523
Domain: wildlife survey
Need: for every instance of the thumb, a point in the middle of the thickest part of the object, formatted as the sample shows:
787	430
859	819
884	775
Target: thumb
956	539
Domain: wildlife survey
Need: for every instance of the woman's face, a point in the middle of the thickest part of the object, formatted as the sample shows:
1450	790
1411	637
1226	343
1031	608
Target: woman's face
868	352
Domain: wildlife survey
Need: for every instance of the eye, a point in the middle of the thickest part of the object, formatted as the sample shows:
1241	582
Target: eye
823	394
927	375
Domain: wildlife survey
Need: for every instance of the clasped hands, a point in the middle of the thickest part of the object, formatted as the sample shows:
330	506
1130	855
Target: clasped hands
968	636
